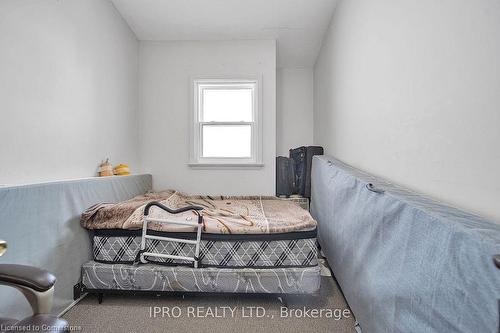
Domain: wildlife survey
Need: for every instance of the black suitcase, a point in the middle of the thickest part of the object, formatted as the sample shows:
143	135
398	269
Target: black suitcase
302	160
310	152
285	176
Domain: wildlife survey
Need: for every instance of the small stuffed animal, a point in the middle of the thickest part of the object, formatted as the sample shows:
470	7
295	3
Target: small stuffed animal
105	169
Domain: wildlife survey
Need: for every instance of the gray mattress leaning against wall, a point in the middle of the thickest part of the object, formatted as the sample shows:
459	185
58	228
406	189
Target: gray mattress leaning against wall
404	262
40	223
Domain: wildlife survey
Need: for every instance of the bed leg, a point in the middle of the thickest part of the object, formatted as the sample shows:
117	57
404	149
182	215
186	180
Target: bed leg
99	297
283	301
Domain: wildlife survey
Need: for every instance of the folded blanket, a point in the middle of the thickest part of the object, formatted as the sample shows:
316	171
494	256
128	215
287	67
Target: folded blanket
221	214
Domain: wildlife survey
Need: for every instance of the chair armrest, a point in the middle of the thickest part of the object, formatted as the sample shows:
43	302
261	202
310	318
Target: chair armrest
26	276
36	284
496	260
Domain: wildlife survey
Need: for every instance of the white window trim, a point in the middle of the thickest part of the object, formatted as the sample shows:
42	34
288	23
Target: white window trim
195	158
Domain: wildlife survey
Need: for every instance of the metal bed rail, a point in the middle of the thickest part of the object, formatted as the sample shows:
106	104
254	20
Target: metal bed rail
198	224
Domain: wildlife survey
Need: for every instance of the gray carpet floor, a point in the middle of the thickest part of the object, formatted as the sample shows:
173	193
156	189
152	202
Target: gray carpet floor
206	313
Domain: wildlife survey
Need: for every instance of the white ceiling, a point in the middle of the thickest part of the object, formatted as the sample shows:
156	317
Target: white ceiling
297	25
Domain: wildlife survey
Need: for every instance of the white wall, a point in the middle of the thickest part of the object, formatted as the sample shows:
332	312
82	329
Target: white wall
294	112
68	89
409	90
166	70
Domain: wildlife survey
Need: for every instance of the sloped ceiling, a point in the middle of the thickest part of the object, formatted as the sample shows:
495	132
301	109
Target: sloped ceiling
297	25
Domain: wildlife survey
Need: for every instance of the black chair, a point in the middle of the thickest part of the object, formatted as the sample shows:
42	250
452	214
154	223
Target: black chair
37	285
496	260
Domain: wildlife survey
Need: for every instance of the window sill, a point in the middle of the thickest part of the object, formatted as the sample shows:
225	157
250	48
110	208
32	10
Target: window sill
226	165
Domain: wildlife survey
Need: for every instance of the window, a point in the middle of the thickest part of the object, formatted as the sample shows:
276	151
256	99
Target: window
226	126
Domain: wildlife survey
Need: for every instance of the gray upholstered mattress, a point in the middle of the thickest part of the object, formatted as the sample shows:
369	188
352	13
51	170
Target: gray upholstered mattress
405	263
151	277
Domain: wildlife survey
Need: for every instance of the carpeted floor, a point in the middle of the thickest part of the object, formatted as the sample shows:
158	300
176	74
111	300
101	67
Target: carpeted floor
247	313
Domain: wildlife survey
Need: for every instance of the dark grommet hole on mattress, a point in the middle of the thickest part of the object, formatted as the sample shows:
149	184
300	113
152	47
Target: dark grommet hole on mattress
372	188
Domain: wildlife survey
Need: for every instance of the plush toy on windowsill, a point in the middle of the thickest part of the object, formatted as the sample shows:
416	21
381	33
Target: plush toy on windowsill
105	169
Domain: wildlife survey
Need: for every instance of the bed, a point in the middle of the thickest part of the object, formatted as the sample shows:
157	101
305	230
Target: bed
250	244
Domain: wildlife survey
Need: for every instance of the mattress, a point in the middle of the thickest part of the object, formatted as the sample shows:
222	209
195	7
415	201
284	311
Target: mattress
221	214
405	263
294	249
122	277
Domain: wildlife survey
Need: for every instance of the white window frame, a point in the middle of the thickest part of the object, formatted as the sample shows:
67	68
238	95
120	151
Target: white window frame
196	156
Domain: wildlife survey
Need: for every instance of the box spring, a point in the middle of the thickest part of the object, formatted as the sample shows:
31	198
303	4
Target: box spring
158	278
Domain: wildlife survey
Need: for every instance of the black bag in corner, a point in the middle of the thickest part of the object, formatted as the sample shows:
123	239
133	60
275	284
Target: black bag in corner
302	160
298	155
285	176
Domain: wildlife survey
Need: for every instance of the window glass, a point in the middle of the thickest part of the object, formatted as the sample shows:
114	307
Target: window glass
227	141
227	105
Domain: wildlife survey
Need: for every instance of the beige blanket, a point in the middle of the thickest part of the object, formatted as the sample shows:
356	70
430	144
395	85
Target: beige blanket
222	215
